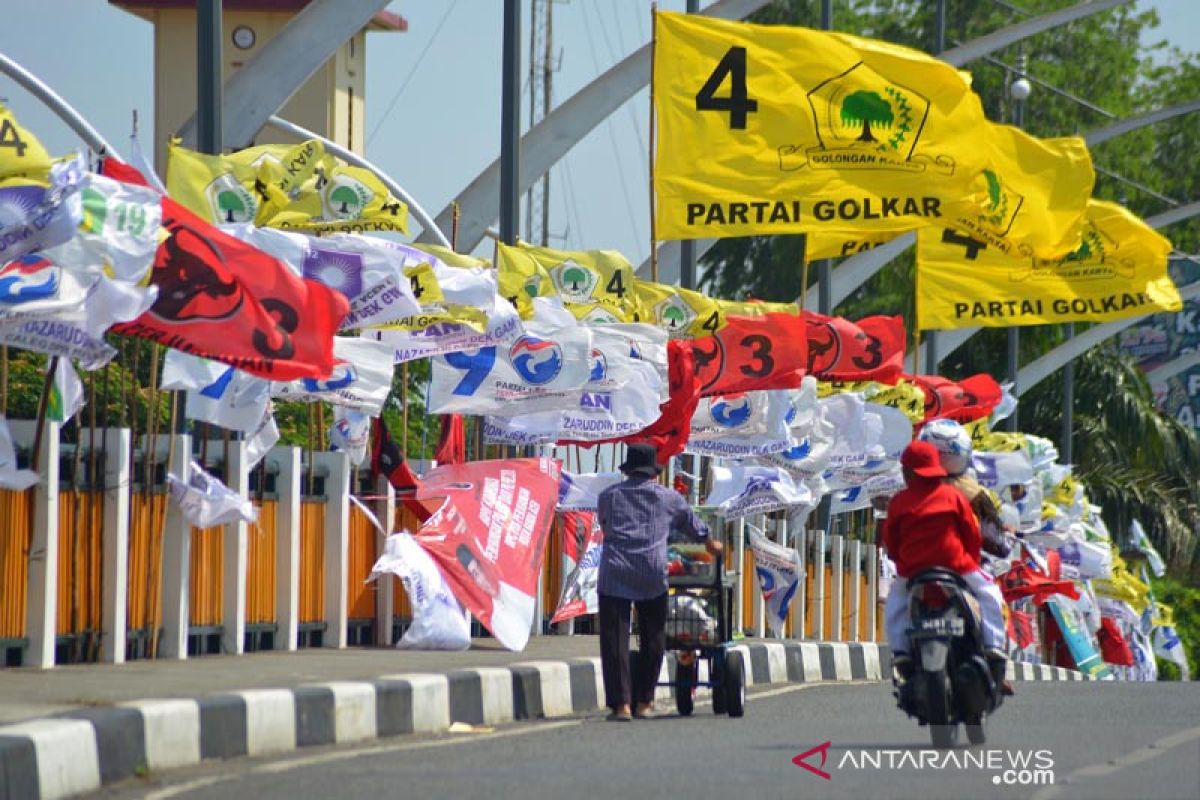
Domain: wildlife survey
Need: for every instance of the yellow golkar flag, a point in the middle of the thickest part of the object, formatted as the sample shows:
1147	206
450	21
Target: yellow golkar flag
599	284
1118	270
21	154
767	129
300	187
687	314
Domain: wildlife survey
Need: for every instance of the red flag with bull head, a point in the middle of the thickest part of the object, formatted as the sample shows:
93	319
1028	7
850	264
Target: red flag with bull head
766	352
222	299
869	349
488	535
962	401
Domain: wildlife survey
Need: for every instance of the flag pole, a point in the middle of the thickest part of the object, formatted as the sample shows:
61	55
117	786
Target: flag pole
653	227
43	403
4	380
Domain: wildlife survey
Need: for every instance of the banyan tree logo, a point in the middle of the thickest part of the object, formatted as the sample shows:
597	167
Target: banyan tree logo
864	122
674	315
575	282
344	197
999	205
1096	257
229	201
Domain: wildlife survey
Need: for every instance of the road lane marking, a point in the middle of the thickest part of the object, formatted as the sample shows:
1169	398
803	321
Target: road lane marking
275	767
1152	750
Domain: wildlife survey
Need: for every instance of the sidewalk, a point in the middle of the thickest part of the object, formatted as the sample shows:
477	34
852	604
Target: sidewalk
70	730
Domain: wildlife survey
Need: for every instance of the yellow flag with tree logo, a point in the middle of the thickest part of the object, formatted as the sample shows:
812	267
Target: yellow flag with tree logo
1118	270
687	314
768	129
300	187
1031	197
843	244
599	283
21	154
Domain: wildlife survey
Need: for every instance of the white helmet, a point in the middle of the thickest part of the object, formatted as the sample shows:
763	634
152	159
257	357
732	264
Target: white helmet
952	441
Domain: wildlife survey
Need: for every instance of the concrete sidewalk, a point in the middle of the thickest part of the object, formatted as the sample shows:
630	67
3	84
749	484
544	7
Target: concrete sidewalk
73	729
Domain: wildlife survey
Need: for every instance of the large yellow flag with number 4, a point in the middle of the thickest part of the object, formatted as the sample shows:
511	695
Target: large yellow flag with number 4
767	129
597	282
21	154
1119	270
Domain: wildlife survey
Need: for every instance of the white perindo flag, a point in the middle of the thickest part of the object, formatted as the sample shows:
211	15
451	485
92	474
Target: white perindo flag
647	343
35	286
206	502
67	395
621	397
896	430
855	498
996	470
439	621
543	370
740	490
503	328
10	477
361	378
581	491
741	425
1168	645
216	393
778	571
368	273
350	433
813	437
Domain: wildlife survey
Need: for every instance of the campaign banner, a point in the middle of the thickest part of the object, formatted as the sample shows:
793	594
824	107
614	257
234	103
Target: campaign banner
37	216
602	280
580	595
688	314
741	490
488	535
438	619
216	393
56	338
545	369
779	573
997	470
1079	642
741	425
361	378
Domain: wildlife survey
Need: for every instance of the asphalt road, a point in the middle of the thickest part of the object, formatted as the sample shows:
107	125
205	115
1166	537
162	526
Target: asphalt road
1099	740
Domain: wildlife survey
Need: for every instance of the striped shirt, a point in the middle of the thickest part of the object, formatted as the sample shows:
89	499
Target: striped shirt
637	517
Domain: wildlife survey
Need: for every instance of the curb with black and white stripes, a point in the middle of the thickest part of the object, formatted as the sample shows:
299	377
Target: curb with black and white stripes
80	751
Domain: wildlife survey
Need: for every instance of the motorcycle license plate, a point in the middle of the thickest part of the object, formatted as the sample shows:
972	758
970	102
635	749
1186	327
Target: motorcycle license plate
941	626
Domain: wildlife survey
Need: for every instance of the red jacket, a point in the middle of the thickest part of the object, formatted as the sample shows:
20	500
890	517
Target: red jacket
930	524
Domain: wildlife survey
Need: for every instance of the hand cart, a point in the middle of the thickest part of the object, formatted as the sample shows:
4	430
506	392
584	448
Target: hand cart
699	628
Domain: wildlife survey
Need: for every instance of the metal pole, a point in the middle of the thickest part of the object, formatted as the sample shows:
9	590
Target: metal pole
687	247
825	265
1014	340
939	44
208	75
1065	447
510	126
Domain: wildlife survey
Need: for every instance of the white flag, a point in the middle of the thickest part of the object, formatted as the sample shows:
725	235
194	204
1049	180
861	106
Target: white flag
740	490
581	491
544	370
36	217
10	477
66	396
503	328
350	433
361	378
216	393
778	571
439	621
741	425
206	502
260	440
58	338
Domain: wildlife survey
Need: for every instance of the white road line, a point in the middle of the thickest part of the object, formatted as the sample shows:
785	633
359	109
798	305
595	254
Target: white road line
1152	750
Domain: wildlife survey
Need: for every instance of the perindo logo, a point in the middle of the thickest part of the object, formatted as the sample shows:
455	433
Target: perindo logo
29	278
230	201
575	282
537	361
730	411
599	367
1005	767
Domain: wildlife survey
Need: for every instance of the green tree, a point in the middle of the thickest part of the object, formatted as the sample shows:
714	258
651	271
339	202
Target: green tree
345	197
864	107
230	204
574	276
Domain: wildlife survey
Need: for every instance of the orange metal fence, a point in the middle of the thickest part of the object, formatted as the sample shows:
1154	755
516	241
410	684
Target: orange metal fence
206	576
80	526
260	565
364	545
144	597
14	562
312	561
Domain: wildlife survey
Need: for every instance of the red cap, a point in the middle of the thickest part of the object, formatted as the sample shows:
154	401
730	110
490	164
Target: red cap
922	458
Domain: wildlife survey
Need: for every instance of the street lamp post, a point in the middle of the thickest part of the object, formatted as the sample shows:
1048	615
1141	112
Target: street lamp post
1019	90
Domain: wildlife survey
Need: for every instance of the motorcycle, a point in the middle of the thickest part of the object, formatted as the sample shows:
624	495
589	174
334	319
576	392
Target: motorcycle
950	681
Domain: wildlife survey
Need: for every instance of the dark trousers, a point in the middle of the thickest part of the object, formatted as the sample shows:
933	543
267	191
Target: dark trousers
614	648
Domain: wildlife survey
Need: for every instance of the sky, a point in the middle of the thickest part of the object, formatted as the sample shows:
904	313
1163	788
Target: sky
433	96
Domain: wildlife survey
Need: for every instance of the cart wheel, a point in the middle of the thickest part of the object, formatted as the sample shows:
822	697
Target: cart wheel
685	685
735	684
716	676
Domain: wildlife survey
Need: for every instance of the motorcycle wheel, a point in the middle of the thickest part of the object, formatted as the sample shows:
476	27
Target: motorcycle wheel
942	732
